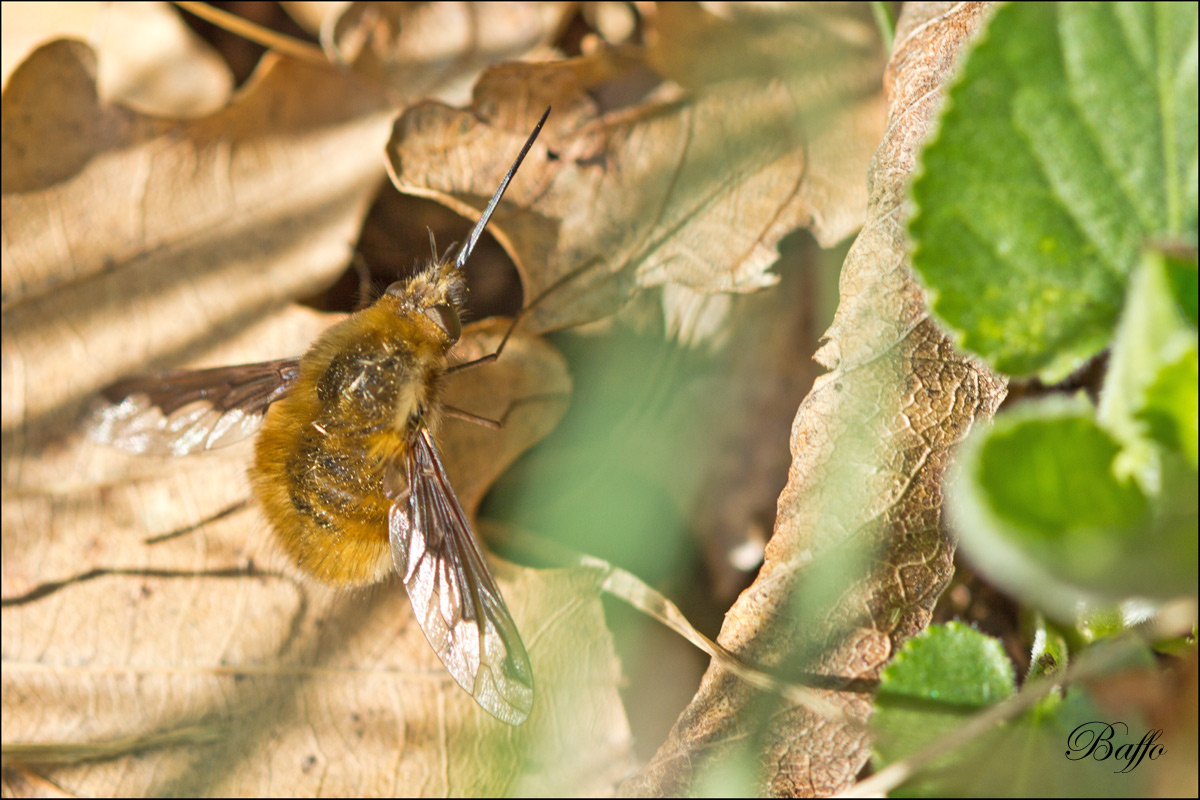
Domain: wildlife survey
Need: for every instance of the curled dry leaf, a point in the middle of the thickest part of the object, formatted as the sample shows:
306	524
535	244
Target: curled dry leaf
437	50
315	691
689	191
148	58
858	556
133	242
128	239
528	387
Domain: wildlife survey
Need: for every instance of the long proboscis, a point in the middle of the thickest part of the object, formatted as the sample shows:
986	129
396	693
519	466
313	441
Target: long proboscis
465	252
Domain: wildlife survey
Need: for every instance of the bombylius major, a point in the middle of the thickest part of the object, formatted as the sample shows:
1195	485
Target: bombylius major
346	468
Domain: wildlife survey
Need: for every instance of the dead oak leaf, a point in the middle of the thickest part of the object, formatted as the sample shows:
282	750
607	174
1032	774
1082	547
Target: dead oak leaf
309	687
148	58
858	556
687	192
437	50
128	239
147	241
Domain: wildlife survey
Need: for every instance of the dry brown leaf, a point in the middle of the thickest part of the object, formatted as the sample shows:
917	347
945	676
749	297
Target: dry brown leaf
312	690
437	50
147	57
311	14
129	239
132	242
612	21
858	556
20	781
690	191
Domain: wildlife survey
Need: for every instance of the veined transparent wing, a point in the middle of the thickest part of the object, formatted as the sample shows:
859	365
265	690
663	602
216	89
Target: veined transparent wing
453	593
182	412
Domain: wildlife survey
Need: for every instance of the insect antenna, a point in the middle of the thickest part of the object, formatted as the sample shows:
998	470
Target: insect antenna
433	245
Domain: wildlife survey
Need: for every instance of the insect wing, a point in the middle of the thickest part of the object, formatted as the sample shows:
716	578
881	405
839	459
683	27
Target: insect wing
176	413
455	598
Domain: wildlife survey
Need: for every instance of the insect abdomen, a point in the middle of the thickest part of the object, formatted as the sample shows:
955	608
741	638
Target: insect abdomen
318	469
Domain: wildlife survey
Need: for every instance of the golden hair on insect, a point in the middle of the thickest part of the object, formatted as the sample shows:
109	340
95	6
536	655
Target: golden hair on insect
346	468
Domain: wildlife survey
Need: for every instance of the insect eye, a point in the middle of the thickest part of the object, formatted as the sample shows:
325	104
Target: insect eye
446	318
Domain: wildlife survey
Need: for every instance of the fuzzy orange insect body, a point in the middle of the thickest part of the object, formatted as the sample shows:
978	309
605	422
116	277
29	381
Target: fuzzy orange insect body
346	468
324	451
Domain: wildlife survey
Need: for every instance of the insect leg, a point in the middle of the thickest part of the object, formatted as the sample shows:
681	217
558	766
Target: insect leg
467	416
490	357
497	424
551	289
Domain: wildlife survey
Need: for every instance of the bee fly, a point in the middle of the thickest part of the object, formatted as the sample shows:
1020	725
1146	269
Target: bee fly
346	468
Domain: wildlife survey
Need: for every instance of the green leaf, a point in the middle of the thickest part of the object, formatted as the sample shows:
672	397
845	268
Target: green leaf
950	672
1150	391
1170	409
1042	513
1053	475
1049	654
1069	140
952	664
1185	286
936	681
